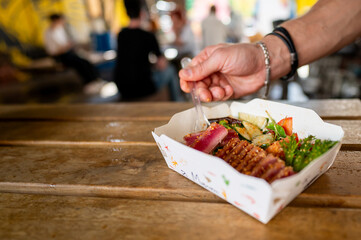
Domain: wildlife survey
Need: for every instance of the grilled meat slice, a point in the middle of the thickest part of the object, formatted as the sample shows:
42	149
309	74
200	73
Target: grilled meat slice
252	160
273	170
231	134
253	153
222	153
285	172
210	138
263	165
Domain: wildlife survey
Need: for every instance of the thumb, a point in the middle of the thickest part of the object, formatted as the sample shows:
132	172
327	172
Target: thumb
201	70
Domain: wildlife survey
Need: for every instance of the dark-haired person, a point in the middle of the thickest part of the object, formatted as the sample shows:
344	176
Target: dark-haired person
227	71
136	75
59	45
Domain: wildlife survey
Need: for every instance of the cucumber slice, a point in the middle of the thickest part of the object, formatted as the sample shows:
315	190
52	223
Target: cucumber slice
243	133
259	121
252	130
265	139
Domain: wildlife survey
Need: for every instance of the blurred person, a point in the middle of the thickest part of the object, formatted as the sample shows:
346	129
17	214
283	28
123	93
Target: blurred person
213	30
184	38
7	71
227	71
235	28
135	75
59	45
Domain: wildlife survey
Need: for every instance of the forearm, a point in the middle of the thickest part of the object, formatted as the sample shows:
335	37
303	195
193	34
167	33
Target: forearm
326	28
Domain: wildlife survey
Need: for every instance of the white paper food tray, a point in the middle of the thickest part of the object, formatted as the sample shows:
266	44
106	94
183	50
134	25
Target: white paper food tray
252	195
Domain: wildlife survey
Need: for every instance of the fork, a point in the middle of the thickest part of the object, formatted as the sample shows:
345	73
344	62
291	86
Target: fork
201	122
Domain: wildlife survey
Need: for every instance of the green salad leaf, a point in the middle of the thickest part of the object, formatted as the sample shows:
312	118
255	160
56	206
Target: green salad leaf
278	130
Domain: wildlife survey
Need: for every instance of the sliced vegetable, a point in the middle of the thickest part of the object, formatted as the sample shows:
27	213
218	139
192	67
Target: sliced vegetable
243	132
259	121
252	130
287	125
263	140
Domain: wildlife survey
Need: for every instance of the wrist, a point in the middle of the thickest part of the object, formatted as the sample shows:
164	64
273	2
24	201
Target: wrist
280	58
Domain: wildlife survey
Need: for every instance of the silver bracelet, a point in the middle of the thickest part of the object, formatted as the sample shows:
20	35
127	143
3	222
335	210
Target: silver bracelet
268	68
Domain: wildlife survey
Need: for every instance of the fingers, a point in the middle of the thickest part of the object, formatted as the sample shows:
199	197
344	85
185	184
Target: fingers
220	88
214	88
201	70
204	64
204	69
187	86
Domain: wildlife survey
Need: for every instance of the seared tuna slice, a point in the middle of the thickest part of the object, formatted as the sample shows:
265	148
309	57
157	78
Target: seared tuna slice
210	138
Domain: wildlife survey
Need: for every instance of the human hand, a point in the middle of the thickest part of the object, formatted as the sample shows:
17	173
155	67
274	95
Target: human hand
225	70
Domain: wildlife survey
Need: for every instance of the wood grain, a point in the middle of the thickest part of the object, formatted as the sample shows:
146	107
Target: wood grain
95	172
327	109
101	132
141	172
63	217
94	112
352	129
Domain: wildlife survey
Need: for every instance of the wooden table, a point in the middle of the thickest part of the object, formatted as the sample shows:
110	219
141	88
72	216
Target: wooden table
95	172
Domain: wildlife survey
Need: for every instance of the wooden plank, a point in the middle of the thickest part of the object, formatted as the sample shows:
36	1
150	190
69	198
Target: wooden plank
46	217
352	129
336	109
100	132
140	172
327	109
94	112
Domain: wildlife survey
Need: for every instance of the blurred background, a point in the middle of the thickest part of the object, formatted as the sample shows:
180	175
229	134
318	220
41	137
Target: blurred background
28	74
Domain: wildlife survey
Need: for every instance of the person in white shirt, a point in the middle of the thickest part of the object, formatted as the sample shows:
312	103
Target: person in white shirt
213	30
58	44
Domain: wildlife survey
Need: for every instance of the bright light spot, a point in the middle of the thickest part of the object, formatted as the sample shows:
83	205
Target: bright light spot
165	23
152	58
171	53
226	20
108	90
250	31
117	140
304	71
109	55
165	6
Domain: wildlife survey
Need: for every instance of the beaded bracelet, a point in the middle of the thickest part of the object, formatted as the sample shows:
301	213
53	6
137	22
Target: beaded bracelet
286	38
268	67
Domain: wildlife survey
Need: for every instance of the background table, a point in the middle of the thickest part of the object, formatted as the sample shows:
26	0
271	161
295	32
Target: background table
95	172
